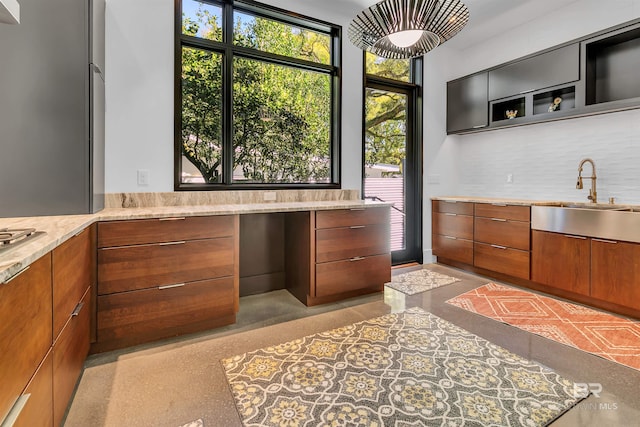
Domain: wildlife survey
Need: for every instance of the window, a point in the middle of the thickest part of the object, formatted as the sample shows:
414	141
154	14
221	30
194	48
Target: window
257	98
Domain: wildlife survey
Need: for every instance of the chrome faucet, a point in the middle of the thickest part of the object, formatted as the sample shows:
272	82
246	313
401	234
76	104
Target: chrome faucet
593	195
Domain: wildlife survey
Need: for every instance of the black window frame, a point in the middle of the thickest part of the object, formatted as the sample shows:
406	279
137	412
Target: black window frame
229	50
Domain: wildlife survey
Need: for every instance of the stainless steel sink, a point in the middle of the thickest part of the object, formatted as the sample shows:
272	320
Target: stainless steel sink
609	222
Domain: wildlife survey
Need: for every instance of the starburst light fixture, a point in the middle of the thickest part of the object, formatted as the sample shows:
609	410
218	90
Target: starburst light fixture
401	29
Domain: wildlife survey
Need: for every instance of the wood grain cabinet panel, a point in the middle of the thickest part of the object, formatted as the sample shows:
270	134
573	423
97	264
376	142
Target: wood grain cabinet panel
452	248
72	274
453	225
145	266
25	328
38	411
497	210
512	262
502	232
615	272
561	261
460	208
135	317
69	353
349	217
361	240
345	276
138	232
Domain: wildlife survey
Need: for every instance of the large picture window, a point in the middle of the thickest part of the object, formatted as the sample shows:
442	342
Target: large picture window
257	98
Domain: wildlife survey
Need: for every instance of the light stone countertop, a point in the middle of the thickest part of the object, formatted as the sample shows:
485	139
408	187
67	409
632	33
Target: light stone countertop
517	202
52	231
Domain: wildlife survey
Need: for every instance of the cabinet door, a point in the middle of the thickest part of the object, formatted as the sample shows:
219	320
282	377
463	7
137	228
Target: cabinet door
467	103
615	272
38	411
561	261
548	69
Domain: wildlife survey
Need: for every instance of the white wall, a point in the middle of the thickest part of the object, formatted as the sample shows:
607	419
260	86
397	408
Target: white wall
543	158
139	93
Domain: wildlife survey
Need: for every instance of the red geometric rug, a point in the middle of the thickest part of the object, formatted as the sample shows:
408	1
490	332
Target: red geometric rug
605	335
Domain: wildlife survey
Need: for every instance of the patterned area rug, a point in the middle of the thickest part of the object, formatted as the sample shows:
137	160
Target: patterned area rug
605	335
419	281
403	369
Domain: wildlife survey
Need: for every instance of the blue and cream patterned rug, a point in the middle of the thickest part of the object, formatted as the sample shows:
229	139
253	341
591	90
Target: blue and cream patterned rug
418	281
403	369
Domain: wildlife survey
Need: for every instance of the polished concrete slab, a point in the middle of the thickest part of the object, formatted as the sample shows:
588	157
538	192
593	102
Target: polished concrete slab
177	381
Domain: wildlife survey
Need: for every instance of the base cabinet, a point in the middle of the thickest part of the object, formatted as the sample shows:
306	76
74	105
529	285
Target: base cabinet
561	261
38	409
615	272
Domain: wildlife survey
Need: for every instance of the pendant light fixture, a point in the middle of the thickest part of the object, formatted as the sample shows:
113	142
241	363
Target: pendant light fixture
407	28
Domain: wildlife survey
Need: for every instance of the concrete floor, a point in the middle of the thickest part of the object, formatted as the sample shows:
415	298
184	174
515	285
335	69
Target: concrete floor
177	381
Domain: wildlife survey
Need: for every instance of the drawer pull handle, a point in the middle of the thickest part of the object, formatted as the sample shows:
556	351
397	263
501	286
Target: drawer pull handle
451	214
605	241
502	205
181	218
479	126
16	410
6	282
353	227
171	243
499	219
498	247
450	201
356	209
526	91
450	237
177	285
78	233
357	258
575	237
77	310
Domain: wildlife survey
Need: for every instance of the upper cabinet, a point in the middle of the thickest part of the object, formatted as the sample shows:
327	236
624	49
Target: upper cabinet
548	69
591	75
467	106
9	12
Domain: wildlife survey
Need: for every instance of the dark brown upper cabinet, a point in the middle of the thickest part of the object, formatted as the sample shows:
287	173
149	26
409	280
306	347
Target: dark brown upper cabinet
467	106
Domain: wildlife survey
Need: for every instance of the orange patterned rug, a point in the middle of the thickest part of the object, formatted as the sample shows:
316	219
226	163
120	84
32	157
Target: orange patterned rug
605	335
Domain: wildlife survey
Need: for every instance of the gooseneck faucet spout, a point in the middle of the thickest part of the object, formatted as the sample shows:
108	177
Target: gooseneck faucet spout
593	195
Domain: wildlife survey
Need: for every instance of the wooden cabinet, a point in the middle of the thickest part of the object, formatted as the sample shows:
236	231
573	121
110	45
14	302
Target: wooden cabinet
25	329
561	261
452	229
615	272
467	103
159	278
38	409
544	70
334	254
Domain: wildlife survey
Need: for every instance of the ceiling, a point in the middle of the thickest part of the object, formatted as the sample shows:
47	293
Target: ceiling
488	18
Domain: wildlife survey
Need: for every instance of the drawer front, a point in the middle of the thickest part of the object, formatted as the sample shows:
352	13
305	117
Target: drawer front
513	234
344	276
69	353
453	225
25	329
147	266
141	316
334	244
349	217
460	208
72	263
507	261
38	410
453	248
497	210
138	232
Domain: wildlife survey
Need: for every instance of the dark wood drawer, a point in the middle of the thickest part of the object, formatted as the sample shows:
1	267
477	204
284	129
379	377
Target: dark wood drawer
137	232
460	208
69	352
38	411
140	316
453	248
513	234
349	217
72	263
334	244
497	210
25	328
344	276
512	262
138	267
453	225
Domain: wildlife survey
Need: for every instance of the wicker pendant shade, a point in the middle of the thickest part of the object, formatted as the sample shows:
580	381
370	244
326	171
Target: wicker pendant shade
439	20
